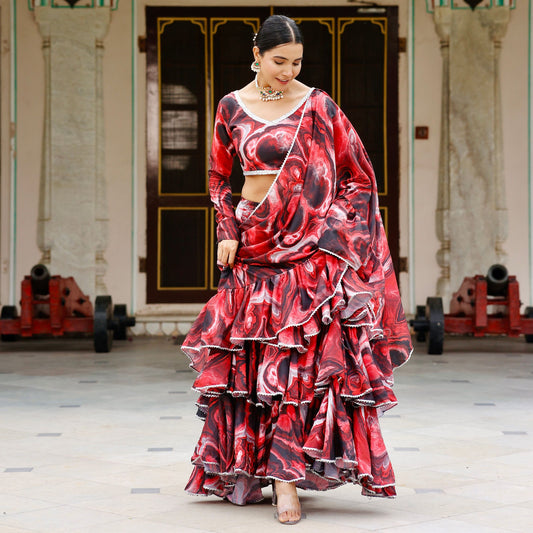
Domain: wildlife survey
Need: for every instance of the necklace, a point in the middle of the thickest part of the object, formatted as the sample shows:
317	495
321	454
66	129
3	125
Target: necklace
267	94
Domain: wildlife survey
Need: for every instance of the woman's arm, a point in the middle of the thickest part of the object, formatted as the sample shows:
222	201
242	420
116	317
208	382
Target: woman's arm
220	166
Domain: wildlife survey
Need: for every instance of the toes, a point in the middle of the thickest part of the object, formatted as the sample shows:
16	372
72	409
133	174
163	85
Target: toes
289	516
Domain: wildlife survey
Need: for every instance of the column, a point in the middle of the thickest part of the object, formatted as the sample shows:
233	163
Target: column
471	216
72	220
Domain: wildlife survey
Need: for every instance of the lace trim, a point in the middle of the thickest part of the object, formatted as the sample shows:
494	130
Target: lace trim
319	390
299	347
260	172
410	353
309	468
339	257
239	341
279	119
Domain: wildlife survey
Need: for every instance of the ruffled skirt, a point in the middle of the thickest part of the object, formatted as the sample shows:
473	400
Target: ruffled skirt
294	368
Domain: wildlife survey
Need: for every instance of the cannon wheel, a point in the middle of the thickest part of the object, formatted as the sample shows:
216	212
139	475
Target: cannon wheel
529	314
103	324
120	318
435	316
9	312
421	315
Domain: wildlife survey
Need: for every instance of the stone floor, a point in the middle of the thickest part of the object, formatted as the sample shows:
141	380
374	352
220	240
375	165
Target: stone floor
101	443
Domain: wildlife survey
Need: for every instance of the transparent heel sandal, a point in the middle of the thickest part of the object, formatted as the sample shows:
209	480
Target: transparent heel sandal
284	508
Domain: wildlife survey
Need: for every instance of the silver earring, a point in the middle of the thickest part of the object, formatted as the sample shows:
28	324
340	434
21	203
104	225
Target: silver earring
256	67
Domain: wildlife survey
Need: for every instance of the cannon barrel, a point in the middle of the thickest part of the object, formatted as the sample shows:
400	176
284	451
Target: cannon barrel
40	278
497	280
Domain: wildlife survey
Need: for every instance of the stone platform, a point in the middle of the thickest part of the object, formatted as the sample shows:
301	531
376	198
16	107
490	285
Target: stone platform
101	443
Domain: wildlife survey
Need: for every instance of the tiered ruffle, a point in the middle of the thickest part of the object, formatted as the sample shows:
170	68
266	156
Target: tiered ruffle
293	370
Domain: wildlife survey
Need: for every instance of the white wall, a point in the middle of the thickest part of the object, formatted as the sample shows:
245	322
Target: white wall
425	96
118	130
5	148
514	71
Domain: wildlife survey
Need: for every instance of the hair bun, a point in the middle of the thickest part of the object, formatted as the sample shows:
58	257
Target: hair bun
275	31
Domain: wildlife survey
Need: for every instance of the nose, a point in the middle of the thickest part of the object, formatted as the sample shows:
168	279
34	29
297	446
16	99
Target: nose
288	72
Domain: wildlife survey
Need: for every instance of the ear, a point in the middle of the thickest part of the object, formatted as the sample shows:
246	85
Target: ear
257	55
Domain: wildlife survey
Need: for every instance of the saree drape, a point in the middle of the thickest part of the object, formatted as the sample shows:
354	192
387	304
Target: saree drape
295	352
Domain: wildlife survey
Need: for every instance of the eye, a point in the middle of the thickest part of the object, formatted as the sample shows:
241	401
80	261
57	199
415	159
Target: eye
278	62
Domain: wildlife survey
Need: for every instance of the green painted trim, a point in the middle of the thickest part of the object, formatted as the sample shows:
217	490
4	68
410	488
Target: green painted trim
13	156
44	3
529	155
499	3
133	290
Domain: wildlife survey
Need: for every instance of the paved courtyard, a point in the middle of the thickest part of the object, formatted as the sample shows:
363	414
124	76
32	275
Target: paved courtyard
101	443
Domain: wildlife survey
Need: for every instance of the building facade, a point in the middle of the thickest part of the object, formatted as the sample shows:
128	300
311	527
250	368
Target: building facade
106	108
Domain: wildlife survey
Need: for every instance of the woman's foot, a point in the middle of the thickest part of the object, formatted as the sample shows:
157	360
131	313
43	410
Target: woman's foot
287	503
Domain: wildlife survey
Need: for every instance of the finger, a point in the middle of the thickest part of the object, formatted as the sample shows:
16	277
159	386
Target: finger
231	259
224	260
222	254
235	249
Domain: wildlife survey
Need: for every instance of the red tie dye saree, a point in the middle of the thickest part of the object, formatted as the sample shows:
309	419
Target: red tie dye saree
295	352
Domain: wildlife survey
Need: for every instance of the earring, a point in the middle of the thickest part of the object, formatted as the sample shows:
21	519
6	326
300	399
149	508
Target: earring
256	67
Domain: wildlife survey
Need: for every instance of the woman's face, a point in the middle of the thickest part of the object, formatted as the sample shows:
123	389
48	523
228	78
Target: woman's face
279	65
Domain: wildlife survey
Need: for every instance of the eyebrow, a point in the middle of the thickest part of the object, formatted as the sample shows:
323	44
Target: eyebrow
286	59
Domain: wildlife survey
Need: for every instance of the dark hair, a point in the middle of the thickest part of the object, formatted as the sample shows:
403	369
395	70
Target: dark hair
276	30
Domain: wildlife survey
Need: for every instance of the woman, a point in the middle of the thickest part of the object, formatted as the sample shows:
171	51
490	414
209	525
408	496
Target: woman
296	350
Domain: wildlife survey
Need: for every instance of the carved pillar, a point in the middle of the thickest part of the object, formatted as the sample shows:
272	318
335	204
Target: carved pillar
471	216
72	223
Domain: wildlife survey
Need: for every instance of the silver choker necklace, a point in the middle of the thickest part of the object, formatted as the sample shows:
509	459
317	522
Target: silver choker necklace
267	94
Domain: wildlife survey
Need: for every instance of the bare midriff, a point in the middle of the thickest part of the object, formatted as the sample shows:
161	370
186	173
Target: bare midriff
255	188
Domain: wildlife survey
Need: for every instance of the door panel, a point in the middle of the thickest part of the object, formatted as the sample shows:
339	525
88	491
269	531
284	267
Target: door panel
319	52
190	239
362	92
194	57
183	111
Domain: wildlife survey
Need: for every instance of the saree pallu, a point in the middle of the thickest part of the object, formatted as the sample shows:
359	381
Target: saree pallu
295	352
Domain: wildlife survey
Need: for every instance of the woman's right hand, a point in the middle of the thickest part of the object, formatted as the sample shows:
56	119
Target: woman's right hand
226	252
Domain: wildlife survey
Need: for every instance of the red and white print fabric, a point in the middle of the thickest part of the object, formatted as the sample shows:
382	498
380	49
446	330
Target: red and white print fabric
295	352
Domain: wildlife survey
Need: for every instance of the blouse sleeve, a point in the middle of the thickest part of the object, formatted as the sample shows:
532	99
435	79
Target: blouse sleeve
220	166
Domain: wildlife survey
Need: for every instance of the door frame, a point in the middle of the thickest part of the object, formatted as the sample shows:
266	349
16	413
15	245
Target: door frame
390	212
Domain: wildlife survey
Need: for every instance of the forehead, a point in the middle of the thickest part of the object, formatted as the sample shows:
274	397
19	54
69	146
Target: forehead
288	51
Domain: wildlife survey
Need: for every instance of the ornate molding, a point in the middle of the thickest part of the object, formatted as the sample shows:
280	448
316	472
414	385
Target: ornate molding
73	4
432	5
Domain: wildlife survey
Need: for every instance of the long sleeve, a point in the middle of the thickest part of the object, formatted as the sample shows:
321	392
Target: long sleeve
220	166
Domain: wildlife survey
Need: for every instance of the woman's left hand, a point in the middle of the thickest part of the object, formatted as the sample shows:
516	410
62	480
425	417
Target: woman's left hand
226	252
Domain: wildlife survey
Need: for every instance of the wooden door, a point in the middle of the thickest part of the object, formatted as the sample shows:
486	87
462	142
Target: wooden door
197	55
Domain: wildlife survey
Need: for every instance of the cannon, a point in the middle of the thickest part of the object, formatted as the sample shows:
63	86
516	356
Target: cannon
469	311
53	305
